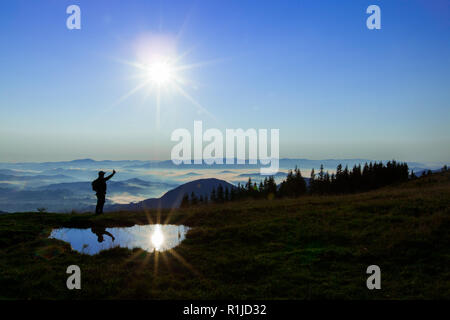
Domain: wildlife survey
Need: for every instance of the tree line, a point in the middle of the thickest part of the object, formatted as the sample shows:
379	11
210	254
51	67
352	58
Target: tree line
371	176
343	181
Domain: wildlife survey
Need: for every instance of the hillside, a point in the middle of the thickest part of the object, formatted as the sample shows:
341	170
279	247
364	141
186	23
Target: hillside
172	198
315	247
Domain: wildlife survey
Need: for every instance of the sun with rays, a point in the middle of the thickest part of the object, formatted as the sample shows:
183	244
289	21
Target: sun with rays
160	71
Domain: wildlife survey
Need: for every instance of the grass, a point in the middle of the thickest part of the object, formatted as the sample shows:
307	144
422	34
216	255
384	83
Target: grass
308	248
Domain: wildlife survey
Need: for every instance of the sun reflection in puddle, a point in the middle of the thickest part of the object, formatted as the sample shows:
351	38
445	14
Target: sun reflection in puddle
152	237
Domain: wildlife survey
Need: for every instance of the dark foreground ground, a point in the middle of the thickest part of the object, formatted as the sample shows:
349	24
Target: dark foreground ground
308	248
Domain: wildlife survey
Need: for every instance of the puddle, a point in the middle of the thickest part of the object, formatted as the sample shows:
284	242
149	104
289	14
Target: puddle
159	237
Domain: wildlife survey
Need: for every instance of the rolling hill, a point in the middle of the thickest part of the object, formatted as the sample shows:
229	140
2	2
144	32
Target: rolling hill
172	198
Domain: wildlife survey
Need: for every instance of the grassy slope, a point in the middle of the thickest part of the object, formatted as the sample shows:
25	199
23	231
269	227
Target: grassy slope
308	248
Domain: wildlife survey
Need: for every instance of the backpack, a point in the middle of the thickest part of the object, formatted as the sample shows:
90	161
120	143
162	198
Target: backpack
95	185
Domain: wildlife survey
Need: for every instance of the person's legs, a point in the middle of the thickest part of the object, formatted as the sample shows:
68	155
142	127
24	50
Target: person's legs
97	208
100	203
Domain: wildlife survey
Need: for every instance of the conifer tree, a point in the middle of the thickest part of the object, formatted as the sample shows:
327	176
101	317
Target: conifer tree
227	194
213	195
194	199
185	201
220	194
312	182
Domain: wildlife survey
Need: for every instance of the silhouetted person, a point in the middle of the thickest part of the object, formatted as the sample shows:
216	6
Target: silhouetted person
100	231
99	186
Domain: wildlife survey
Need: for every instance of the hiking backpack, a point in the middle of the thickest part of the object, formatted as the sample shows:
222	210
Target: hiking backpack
95	185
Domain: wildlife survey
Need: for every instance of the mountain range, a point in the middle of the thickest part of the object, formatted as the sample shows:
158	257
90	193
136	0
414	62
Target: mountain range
63	186
287	163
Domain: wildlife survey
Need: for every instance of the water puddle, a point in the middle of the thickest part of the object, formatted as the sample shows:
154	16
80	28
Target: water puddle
159	237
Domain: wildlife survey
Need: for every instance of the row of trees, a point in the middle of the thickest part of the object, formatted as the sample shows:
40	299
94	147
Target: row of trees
221	194
371	176
345	180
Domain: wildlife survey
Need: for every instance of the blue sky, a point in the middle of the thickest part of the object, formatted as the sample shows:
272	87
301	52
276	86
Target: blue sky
309	68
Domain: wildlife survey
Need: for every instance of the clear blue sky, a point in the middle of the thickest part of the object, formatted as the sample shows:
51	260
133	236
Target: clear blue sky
309	68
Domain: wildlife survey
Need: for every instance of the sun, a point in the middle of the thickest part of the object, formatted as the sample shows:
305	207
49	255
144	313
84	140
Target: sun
161	73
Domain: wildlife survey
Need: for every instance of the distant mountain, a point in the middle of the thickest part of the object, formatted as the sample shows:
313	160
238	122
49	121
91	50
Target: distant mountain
189	174
14	172
7	177
63	197
134	185
284	163
257	174
79	161
13	200
31	181
84	163
421	171
172	198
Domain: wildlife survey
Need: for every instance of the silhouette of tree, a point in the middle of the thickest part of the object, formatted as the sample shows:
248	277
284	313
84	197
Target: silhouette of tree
312	182
249	186
220	194
294	185
271	188
213	195
185	201
194	199
227	194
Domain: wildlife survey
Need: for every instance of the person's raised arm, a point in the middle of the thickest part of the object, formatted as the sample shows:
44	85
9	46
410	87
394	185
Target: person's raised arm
109	234
110	176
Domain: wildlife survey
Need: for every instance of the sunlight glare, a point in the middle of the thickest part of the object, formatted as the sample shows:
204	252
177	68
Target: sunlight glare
157	238
160	72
